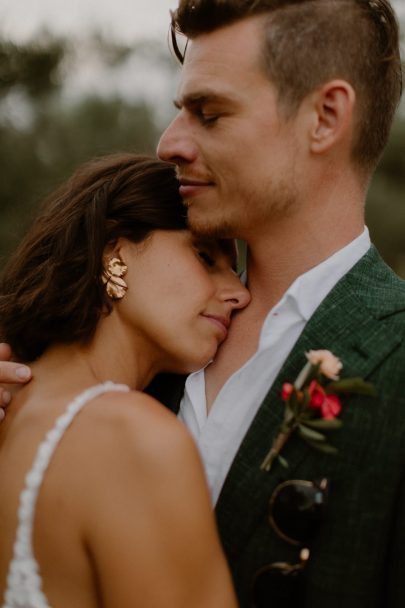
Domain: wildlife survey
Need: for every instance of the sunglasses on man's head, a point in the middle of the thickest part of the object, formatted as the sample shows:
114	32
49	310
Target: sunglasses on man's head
296	510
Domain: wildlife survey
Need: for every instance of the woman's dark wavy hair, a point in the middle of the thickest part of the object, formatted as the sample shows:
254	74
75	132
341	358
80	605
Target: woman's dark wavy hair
51	289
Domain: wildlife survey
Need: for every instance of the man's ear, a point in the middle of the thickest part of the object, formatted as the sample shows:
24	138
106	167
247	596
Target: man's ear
333	107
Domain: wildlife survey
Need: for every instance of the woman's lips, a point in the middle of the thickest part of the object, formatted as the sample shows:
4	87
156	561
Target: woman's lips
221	322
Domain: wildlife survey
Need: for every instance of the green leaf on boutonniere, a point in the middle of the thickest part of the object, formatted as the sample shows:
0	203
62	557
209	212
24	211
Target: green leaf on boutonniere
294	405
282	461
310	434
324	423
322	447
356	386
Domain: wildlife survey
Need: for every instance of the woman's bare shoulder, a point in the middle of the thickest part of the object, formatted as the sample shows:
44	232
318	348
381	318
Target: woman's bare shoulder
139	451
138	429
129	405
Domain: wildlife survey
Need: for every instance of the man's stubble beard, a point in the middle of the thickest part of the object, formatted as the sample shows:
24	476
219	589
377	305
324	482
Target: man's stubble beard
214	230
279	205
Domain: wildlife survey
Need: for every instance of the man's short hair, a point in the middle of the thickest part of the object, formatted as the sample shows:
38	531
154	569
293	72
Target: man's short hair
310	42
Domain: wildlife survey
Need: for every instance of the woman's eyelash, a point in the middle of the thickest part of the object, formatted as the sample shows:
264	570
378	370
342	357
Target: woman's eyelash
206	258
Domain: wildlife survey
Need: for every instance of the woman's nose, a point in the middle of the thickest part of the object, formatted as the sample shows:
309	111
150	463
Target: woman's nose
236	293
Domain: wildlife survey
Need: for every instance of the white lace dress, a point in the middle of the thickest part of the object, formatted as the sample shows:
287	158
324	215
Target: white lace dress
24	583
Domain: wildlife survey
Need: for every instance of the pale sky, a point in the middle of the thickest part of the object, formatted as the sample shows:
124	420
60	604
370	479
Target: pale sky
126	20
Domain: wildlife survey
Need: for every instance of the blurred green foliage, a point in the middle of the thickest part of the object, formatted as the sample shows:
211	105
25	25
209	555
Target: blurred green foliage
32	67
385	210
43	137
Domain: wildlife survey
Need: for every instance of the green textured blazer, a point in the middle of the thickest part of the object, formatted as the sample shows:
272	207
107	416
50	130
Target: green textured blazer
358	558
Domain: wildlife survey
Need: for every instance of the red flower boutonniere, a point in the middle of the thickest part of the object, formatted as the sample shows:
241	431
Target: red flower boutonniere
312	404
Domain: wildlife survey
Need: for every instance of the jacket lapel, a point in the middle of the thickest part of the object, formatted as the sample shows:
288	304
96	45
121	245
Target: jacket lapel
350	323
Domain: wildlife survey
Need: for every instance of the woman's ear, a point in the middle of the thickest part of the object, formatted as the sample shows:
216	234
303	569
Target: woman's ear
333	110
112	249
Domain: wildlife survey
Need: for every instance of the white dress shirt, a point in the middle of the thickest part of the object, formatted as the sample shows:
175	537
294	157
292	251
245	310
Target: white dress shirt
219	434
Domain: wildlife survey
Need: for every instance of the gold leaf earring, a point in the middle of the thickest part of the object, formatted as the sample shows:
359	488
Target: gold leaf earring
112	278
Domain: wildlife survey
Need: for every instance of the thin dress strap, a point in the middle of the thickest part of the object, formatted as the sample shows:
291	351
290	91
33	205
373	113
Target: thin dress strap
24	583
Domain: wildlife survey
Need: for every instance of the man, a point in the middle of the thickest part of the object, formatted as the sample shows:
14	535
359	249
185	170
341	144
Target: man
284	109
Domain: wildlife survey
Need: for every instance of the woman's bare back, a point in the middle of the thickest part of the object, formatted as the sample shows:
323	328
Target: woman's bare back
112	525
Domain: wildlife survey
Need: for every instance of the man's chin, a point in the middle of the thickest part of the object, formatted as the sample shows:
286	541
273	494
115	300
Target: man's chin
211	227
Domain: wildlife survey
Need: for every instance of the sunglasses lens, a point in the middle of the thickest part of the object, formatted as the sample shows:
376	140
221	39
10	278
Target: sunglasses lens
297	511
276	587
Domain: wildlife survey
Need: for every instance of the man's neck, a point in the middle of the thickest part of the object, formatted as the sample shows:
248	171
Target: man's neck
326	216
278	257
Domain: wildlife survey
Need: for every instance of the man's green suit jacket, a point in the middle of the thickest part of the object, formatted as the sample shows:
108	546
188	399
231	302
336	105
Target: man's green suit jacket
358	558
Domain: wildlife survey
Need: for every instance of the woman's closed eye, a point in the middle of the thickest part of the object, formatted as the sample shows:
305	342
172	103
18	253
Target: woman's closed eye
206	258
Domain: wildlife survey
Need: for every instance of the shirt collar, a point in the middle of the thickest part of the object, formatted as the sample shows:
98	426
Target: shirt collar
305	294
313	286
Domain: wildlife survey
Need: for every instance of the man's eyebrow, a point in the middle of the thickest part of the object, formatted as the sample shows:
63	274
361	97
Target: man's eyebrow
199	99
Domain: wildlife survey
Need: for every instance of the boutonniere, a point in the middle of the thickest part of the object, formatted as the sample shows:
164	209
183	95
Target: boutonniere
312	404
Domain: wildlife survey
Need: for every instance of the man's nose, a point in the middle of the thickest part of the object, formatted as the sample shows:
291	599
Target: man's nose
176	144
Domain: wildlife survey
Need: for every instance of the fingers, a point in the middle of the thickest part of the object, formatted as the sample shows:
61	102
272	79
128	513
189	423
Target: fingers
14	373
11	373
5	398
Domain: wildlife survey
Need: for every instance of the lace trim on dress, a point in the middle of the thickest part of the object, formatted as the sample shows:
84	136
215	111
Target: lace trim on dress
24	583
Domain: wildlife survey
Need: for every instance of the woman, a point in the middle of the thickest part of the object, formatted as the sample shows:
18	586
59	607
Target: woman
108	289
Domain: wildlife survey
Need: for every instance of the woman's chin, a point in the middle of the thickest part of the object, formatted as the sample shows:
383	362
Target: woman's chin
195	367
198	362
